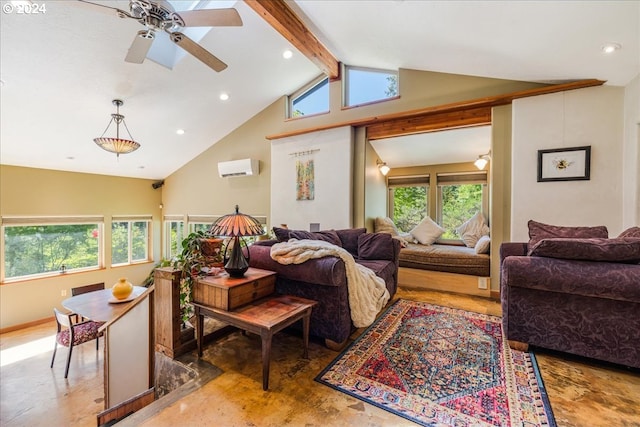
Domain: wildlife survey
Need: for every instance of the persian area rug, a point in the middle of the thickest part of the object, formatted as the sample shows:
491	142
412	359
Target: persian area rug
439	366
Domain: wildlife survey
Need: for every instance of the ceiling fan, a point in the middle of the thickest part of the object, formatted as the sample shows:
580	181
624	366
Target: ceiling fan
159	15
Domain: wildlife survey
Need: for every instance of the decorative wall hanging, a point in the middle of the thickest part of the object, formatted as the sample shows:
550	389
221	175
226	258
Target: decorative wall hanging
564	164
304	180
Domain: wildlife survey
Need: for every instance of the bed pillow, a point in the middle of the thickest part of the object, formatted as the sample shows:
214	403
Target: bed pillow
539	231
386	225
621	249
631	232
472	230
483	245
375	246
427	232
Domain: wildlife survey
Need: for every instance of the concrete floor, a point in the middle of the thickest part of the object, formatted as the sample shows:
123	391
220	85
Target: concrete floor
582	393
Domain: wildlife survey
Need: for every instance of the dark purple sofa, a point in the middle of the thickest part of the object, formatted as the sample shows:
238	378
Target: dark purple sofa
586	308
325	280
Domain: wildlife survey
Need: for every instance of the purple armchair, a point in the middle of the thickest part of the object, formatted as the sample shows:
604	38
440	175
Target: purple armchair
582	307
325	279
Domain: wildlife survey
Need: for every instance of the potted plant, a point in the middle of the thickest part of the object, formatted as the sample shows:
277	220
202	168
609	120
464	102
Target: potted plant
200	251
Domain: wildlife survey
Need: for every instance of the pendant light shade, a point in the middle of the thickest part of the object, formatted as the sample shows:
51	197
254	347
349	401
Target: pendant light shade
117	145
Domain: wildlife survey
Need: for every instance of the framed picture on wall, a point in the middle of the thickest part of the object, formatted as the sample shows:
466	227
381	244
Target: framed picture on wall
564	164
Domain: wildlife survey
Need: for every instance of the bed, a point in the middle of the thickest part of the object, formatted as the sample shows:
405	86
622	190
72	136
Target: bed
463	268
444	267
445	258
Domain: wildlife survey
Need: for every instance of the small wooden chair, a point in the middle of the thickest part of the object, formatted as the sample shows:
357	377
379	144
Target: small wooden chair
78	290
71	334
87	288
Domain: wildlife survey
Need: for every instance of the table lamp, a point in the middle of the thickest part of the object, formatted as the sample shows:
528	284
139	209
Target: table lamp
236	226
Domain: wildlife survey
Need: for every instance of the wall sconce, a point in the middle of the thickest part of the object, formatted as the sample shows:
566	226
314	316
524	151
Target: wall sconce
382	166
482	160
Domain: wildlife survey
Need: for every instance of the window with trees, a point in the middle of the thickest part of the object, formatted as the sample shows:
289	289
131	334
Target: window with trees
310	99
40	247
173	235
460	196
130	240
408	201
365	85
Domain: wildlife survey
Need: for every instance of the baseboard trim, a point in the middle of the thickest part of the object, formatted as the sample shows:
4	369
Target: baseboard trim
26	325
413	278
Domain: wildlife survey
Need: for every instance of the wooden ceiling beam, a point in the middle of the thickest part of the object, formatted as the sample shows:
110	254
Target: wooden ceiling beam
430	123
284	20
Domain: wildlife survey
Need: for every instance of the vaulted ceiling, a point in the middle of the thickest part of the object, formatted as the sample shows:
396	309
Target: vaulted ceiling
61	69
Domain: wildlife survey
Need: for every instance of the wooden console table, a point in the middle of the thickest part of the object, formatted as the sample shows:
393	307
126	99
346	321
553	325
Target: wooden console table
264	317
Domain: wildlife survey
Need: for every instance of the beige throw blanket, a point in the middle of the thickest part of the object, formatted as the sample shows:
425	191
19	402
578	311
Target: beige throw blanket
368	293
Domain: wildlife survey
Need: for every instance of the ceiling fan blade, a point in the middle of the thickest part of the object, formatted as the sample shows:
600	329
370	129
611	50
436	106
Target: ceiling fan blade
211	18
198	51
140	47
106	9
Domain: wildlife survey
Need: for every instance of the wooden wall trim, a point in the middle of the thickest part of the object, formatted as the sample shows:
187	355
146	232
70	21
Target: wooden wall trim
485	102
285	21
429	123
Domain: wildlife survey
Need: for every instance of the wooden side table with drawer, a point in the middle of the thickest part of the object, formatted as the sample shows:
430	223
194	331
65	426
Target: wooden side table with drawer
249	303
228	293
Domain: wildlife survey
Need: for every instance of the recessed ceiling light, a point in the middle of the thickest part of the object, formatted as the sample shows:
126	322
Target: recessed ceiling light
224	96
180	131
611	47
287	54
70	158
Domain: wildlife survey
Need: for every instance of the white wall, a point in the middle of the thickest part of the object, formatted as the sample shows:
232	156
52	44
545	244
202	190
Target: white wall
333	160
631	155
592	116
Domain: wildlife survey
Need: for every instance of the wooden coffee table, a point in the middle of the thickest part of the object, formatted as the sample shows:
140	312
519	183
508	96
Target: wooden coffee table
264	317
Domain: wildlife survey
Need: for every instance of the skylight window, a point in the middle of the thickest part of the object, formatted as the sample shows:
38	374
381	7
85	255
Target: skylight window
165	52
365	85
311	99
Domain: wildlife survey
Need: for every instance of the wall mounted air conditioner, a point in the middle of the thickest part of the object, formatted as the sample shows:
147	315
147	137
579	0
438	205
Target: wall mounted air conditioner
244	167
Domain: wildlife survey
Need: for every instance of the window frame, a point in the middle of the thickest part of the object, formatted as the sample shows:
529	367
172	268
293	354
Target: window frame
346	85
458	178
33	221
304	91
406	181
190	225
166	224
148	238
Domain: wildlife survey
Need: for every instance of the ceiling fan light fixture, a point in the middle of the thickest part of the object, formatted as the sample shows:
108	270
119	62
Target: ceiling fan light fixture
117	145
146	34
